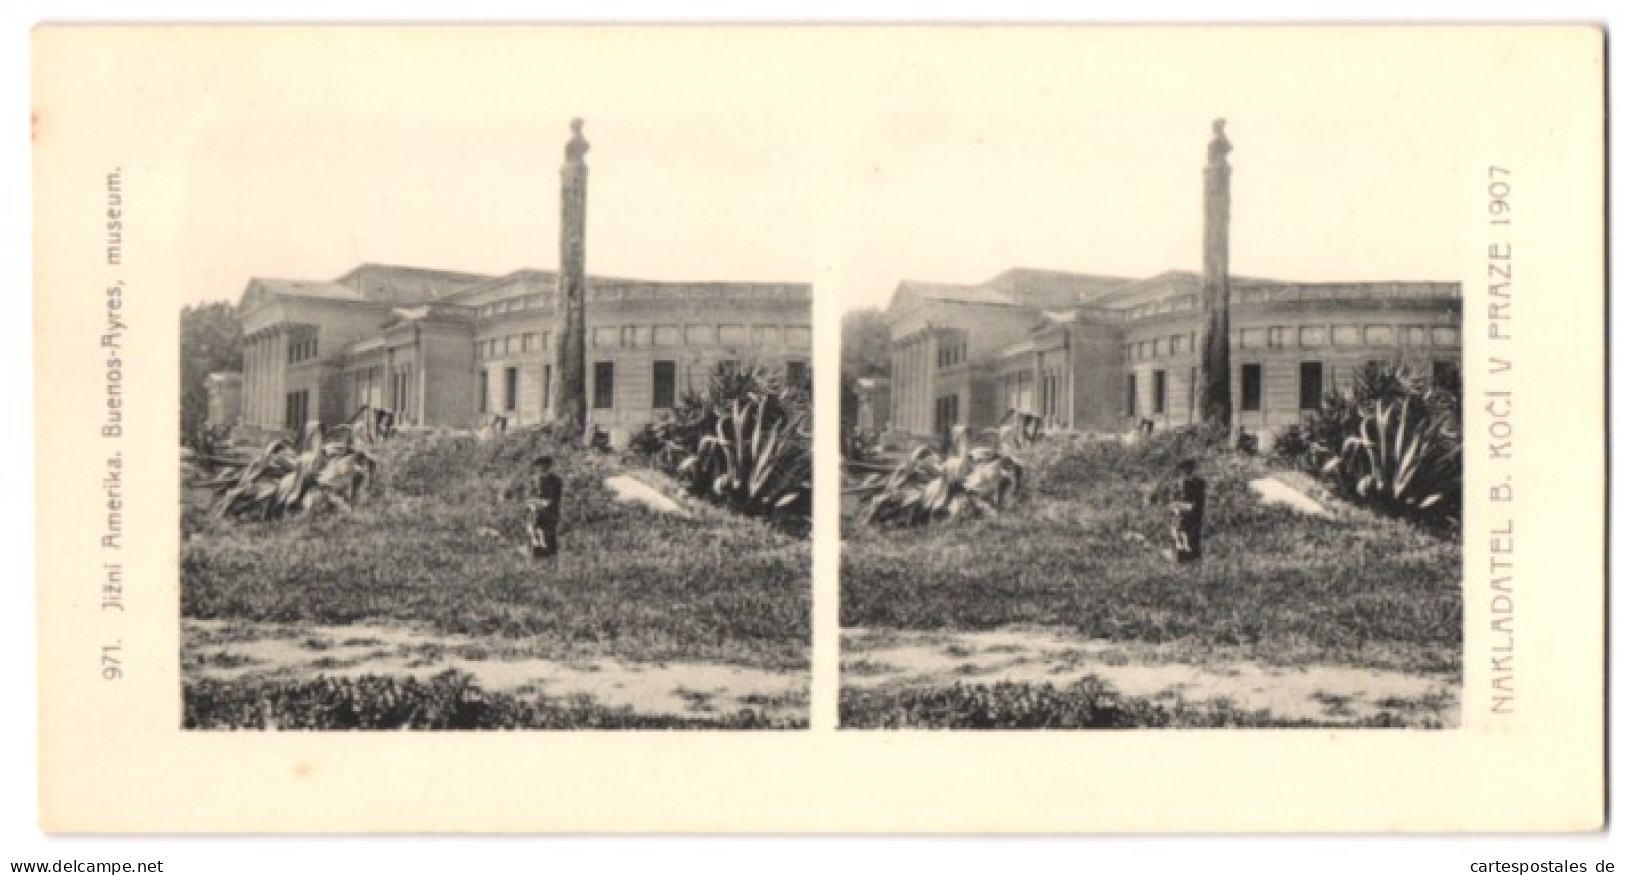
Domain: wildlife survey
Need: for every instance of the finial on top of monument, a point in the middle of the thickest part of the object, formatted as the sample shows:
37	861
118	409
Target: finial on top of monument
578	145
1219	146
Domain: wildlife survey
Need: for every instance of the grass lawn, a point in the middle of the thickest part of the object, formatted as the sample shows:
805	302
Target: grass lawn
1082	553
437	549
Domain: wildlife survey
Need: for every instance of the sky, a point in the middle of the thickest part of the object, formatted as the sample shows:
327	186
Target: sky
850	160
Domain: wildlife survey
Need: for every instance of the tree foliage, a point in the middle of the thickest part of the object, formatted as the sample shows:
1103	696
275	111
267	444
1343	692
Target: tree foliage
211	341
865	343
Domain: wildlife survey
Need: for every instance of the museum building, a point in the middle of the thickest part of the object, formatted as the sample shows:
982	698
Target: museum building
1101	354
1105	354
451	349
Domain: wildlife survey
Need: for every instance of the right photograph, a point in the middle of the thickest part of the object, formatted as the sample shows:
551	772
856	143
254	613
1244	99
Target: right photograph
1174	495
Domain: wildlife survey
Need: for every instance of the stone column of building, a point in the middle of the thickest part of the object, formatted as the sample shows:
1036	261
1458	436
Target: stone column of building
279	379
922	353
265	380
251	379
914	384
572	291
262	348
1214	375
247	411
916	426
922	368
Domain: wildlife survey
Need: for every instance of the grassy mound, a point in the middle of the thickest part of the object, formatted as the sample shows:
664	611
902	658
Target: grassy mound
1083	552
438	546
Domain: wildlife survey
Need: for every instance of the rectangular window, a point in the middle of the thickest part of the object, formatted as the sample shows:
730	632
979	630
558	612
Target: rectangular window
665	388
668	335
298	409
1447	375
485	391
1252	387
1024	390
1133	391
1190	395
510	389
796	374
947	413
1311	385
1159	391
603	385
731	335
1053	407
547	389
529	343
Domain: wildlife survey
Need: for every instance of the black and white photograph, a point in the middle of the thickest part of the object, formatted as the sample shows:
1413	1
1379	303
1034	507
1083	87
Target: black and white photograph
558	491
583	429
1191	457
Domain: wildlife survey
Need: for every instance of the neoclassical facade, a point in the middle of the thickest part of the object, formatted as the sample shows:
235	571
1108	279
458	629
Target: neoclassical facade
1122	352
443	348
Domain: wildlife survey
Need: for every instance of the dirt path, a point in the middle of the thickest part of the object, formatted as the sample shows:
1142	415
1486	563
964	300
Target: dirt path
227	650
1328	693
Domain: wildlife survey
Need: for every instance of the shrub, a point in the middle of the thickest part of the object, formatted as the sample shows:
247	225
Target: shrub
1293	449
745	443
1085	704
1402	461
286	479
448	701
928	486
1390	441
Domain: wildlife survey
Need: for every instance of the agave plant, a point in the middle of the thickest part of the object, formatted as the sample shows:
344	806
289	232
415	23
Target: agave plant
287	479
1402	460
929	486
755	460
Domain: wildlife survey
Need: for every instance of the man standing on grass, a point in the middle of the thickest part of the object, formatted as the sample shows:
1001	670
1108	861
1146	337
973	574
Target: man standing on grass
1187	500
544	502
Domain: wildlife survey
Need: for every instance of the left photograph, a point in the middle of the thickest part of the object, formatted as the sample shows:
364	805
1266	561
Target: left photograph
542	496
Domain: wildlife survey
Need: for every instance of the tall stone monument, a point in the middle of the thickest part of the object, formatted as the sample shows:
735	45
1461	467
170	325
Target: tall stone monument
1214	378
572	294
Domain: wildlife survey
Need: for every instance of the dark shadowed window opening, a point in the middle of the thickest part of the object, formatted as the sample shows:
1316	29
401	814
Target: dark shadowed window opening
603	385
665	385
1311	385
1252	387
